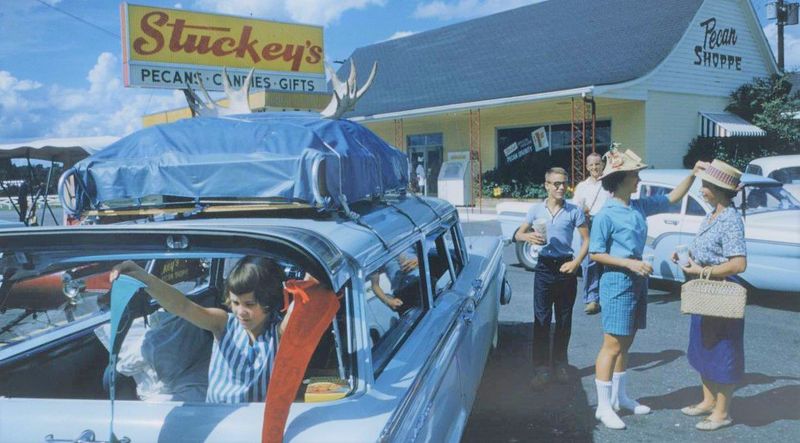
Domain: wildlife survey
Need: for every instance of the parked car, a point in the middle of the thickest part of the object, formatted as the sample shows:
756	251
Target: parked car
398	375
772	228
784	168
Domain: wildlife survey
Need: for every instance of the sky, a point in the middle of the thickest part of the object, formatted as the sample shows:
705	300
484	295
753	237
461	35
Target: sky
61	69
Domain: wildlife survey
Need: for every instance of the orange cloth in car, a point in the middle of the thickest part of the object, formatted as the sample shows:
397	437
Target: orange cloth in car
314	308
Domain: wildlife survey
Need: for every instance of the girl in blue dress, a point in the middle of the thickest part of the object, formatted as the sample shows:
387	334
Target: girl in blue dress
617	241
716	345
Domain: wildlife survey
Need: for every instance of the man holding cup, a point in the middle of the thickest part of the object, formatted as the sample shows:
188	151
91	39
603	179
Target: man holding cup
554	283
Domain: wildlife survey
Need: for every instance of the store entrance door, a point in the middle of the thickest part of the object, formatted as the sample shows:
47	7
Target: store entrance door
426	163
425	154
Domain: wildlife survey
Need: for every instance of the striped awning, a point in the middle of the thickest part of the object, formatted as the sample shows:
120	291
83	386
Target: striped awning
725	124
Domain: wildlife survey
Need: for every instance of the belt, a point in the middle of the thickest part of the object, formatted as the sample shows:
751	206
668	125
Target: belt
554	260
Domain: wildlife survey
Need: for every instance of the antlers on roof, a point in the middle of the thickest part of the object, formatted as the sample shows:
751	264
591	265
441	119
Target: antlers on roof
237	98
345	94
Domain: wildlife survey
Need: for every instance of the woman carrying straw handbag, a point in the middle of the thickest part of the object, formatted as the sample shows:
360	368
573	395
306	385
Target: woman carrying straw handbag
716	345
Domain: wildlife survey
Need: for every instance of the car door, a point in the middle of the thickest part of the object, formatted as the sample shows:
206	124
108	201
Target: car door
481	279
433	407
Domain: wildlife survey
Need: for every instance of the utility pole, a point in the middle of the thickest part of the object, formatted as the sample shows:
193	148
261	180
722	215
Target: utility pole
784	14
781	20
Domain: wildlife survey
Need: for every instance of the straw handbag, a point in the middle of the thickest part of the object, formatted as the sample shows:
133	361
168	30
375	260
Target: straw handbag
712	297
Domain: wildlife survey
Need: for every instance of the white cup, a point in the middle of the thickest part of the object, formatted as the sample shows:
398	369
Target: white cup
683	255
540	226
648	258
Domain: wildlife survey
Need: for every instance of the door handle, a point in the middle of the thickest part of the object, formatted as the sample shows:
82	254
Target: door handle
671	222
468	313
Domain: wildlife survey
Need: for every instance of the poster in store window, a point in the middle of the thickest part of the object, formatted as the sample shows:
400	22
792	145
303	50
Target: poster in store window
518	149
539	137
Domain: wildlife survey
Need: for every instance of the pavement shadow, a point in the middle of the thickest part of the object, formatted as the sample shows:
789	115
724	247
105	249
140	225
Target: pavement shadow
508	409
783	301
764	408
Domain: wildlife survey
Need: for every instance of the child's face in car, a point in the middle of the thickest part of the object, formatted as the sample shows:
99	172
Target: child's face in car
250	314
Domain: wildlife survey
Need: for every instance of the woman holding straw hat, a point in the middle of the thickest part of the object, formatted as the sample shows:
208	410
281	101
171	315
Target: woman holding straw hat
617	241
716	345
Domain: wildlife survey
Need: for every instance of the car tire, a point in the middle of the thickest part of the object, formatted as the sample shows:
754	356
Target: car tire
526	255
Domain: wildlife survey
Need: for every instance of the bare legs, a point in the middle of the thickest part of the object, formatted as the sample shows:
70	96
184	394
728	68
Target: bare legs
610	364
613	356
716	399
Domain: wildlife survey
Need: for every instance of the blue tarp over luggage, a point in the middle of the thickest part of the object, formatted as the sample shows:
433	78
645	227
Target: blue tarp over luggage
264	155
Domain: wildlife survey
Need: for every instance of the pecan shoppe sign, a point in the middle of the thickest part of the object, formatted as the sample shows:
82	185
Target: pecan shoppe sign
716	47
174	49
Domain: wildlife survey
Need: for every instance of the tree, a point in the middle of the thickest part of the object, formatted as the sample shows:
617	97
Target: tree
769	103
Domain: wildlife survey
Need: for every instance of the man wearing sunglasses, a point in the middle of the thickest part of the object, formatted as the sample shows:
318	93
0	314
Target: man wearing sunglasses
554	283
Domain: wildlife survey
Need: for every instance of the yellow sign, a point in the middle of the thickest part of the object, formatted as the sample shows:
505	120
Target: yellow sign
161	45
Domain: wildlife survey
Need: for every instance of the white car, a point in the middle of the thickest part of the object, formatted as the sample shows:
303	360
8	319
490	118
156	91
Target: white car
784	168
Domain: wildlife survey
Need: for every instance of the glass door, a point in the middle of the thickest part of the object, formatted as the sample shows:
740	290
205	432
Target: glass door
425	152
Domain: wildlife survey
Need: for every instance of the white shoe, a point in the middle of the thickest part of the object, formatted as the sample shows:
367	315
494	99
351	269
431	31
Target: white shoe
634	406
620	399
605	413
609	418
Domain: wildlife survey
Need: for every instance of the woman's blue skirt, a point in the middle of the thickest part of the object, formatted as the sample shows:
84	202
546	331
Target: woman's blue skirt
716	348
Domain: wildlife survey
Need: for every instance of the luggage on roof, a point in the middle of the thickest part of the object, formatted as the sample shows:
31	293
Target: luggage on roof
295	157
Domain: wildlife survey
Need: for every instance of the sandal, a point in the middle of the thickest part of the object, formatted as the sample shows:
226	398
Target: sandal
713	425
694	410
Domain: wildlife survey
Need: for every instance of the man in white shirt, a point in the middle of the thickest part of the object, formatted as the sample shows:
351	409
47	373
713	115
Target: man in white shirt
420	171
590	196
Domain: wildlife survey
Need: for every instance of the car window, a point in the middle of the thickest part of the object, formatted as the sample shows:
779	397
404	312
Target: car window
395	301
454	249
789	176
441	274
693	207
753	169
185	275
653	190
53	301
765	199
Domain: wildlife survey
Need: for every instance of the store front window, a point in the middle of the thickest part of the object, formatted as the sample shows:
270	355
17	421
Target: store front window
525	153
425	153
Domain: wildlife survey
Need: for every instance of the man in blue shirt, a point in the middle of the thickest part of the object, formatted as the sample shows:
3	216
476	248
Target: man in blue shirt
554	283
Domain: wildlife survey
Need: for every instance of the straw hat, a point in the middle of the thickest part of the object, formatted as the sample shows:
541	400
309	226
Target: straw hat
617	161
721	174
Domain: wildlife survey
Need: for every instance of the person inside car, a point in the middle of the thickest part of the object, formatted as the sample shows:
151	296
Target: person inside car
245	339
403	274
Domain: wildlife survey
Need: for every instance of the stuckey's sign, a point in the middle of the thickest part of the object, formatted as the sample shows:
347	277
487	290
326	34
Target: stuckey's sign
172	48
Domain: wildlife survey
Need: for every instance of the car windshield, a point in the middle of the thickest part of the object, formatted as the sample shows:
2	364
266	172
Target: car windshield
788	176
765	198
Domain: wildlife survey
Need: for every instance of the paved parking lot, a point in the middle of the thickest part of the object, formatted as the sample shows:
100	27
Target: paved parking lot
766	406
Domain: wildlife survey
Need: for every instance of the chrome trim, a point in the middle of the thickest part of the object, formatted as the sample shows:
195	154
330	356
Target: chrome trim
415	406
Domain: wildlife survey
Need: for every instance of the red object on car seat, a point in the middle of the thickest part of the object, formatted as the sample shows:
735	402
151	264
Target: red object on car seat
314	308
